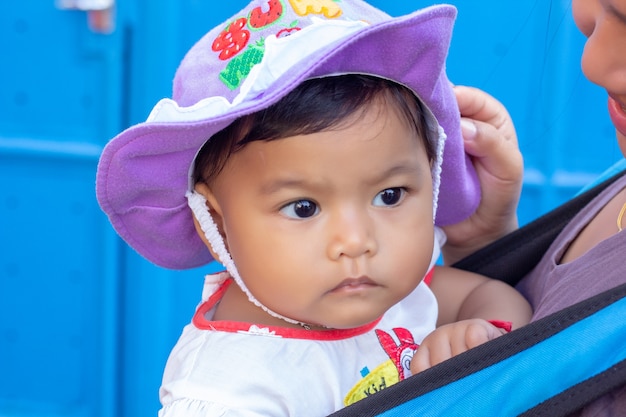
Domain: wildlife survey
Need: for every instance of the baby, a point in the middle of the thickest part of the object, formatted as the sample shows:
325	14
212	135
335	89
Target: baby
309	138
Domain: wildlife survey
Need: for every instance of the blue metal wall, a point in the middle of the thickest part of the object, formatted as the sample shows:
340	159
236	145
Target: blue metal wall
85	324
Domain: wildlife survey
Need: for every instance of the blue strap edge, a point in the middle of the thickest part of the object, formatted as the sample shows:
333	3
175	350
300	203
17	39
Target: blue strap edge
534	375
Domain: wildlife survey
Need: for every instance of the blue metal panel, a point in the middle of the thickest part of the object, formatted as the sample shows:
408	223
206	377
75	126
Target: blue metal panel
527	54
85	323
59	101
58	309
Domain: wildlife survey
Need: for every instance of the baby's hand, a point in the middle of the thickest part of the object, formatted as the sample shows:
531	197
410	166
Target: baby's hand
450	340
491	141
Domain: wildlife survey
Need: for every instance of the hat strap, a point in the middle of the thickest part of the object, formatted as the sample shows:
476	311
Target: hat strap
437	167
198	206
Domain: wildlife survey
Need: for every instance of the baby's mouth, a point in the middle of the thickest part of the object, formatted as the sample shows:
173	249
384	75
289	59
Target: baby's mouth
353	284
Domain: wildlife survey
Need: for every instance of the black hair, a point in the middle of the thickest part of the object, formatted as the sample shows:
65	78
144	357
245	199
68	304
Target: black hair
314	106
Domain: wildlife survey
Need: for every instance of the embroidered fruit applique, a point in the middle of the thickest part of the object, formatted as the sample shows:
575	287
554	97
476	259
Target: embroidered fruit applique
293	27
234	43
329	8
239	67
232	39
265	15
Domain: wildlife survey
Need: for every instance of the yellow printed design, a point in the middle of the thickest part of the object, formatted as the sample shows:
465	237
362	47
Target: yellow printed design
400	347
328	8
380	378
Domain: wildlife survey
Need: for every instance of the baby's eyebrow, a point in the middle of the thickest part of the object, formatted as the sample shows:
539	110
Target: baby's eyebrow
283	183
399	169
278	184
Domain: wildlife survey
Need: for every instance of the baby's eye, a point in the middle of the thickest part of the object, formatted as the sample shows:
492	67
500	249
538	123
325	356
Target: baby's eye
300	209
389	197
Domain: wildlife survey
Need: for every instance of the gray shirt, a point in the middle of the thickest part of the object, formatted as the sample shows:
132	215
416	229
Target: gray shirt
552	286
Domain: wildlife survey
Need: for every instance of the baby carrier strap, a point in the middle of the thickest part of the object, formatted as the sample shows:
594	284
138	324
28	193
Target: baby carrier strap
513	256
551	367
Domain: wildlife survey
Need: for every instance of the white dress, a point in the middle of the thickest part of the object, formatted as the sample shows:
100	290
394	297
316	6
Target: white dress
221	368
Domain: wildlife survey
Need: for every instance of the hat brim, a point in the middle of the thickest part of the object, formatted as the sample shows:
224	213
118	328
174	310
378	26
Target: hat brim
148	163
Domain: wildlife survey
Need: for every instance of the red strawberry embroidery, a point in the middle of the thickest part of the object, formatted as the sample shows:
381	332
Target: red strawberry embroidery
232	40
258	18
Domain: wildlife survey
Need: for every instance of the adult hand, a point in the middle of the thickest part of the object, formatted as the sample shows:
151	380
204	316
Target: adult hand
490	140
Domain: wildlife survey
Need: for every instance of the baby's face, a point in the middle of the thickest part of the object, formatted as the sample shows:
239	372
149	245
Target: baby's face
330	228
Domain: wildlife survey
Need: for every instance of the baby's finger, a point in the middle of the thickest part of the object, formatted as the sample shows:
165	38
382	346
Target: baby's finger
421	360
477	334
481	332
437	346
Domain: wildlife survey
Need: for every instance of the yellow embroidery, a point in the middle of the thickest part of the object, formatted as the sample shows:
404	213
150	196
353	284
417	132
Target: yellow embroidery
380	378
328	8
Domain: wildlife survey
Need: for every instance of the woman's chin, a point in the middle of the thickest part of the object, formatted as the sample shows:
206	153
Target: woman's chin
617	114
621	142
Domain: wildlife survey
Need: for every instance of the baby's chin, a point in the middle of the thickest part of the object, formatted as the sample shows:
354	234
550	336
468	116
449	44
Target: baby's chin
349	323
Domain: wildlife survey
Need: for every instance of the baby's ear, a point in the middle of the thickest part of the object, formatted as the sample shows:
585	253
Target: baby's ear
216	214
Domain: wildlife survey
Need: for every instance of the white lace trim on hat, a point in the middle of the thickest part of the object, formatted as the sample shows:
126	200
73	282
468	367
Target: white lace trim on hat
198	206
436	169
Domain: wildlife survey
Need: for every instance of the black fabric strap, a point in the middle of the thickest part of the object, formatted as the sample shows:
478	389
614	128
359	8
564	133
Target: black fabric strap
498	350
513	256
578	396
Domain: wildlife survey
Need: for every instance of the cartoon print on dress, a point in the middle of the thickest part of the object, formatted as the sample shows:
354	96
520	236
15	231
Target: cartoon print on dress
236	45
400	353
389	372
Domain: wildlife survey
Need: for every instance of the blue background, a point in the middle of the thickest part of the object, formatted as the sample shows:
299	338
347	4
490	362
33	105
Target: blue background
86	324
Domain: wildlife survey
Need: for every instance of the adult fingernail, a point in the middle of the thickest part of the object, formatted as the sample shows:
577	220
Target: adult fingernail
468	129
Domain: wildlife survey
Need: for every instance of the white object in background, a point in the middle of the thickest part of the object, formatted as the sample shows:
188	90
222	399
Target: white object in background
100	13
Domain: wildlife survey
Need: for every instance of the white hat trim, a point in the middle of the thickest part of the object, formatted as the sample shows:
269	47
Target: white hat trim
198	206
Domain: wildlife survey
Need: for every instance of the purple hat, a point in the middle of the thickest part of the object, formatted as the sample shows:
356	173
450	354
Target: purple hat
250	62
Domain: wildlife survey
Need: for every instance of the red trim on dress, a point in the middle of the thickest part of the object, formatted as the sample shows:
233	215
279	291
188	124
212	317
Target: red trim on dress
202	323
429	276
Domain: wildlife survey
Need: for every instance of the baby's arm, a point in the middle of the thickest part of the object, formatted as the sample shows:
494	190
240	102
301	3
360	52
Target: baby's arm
466	302
491	142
